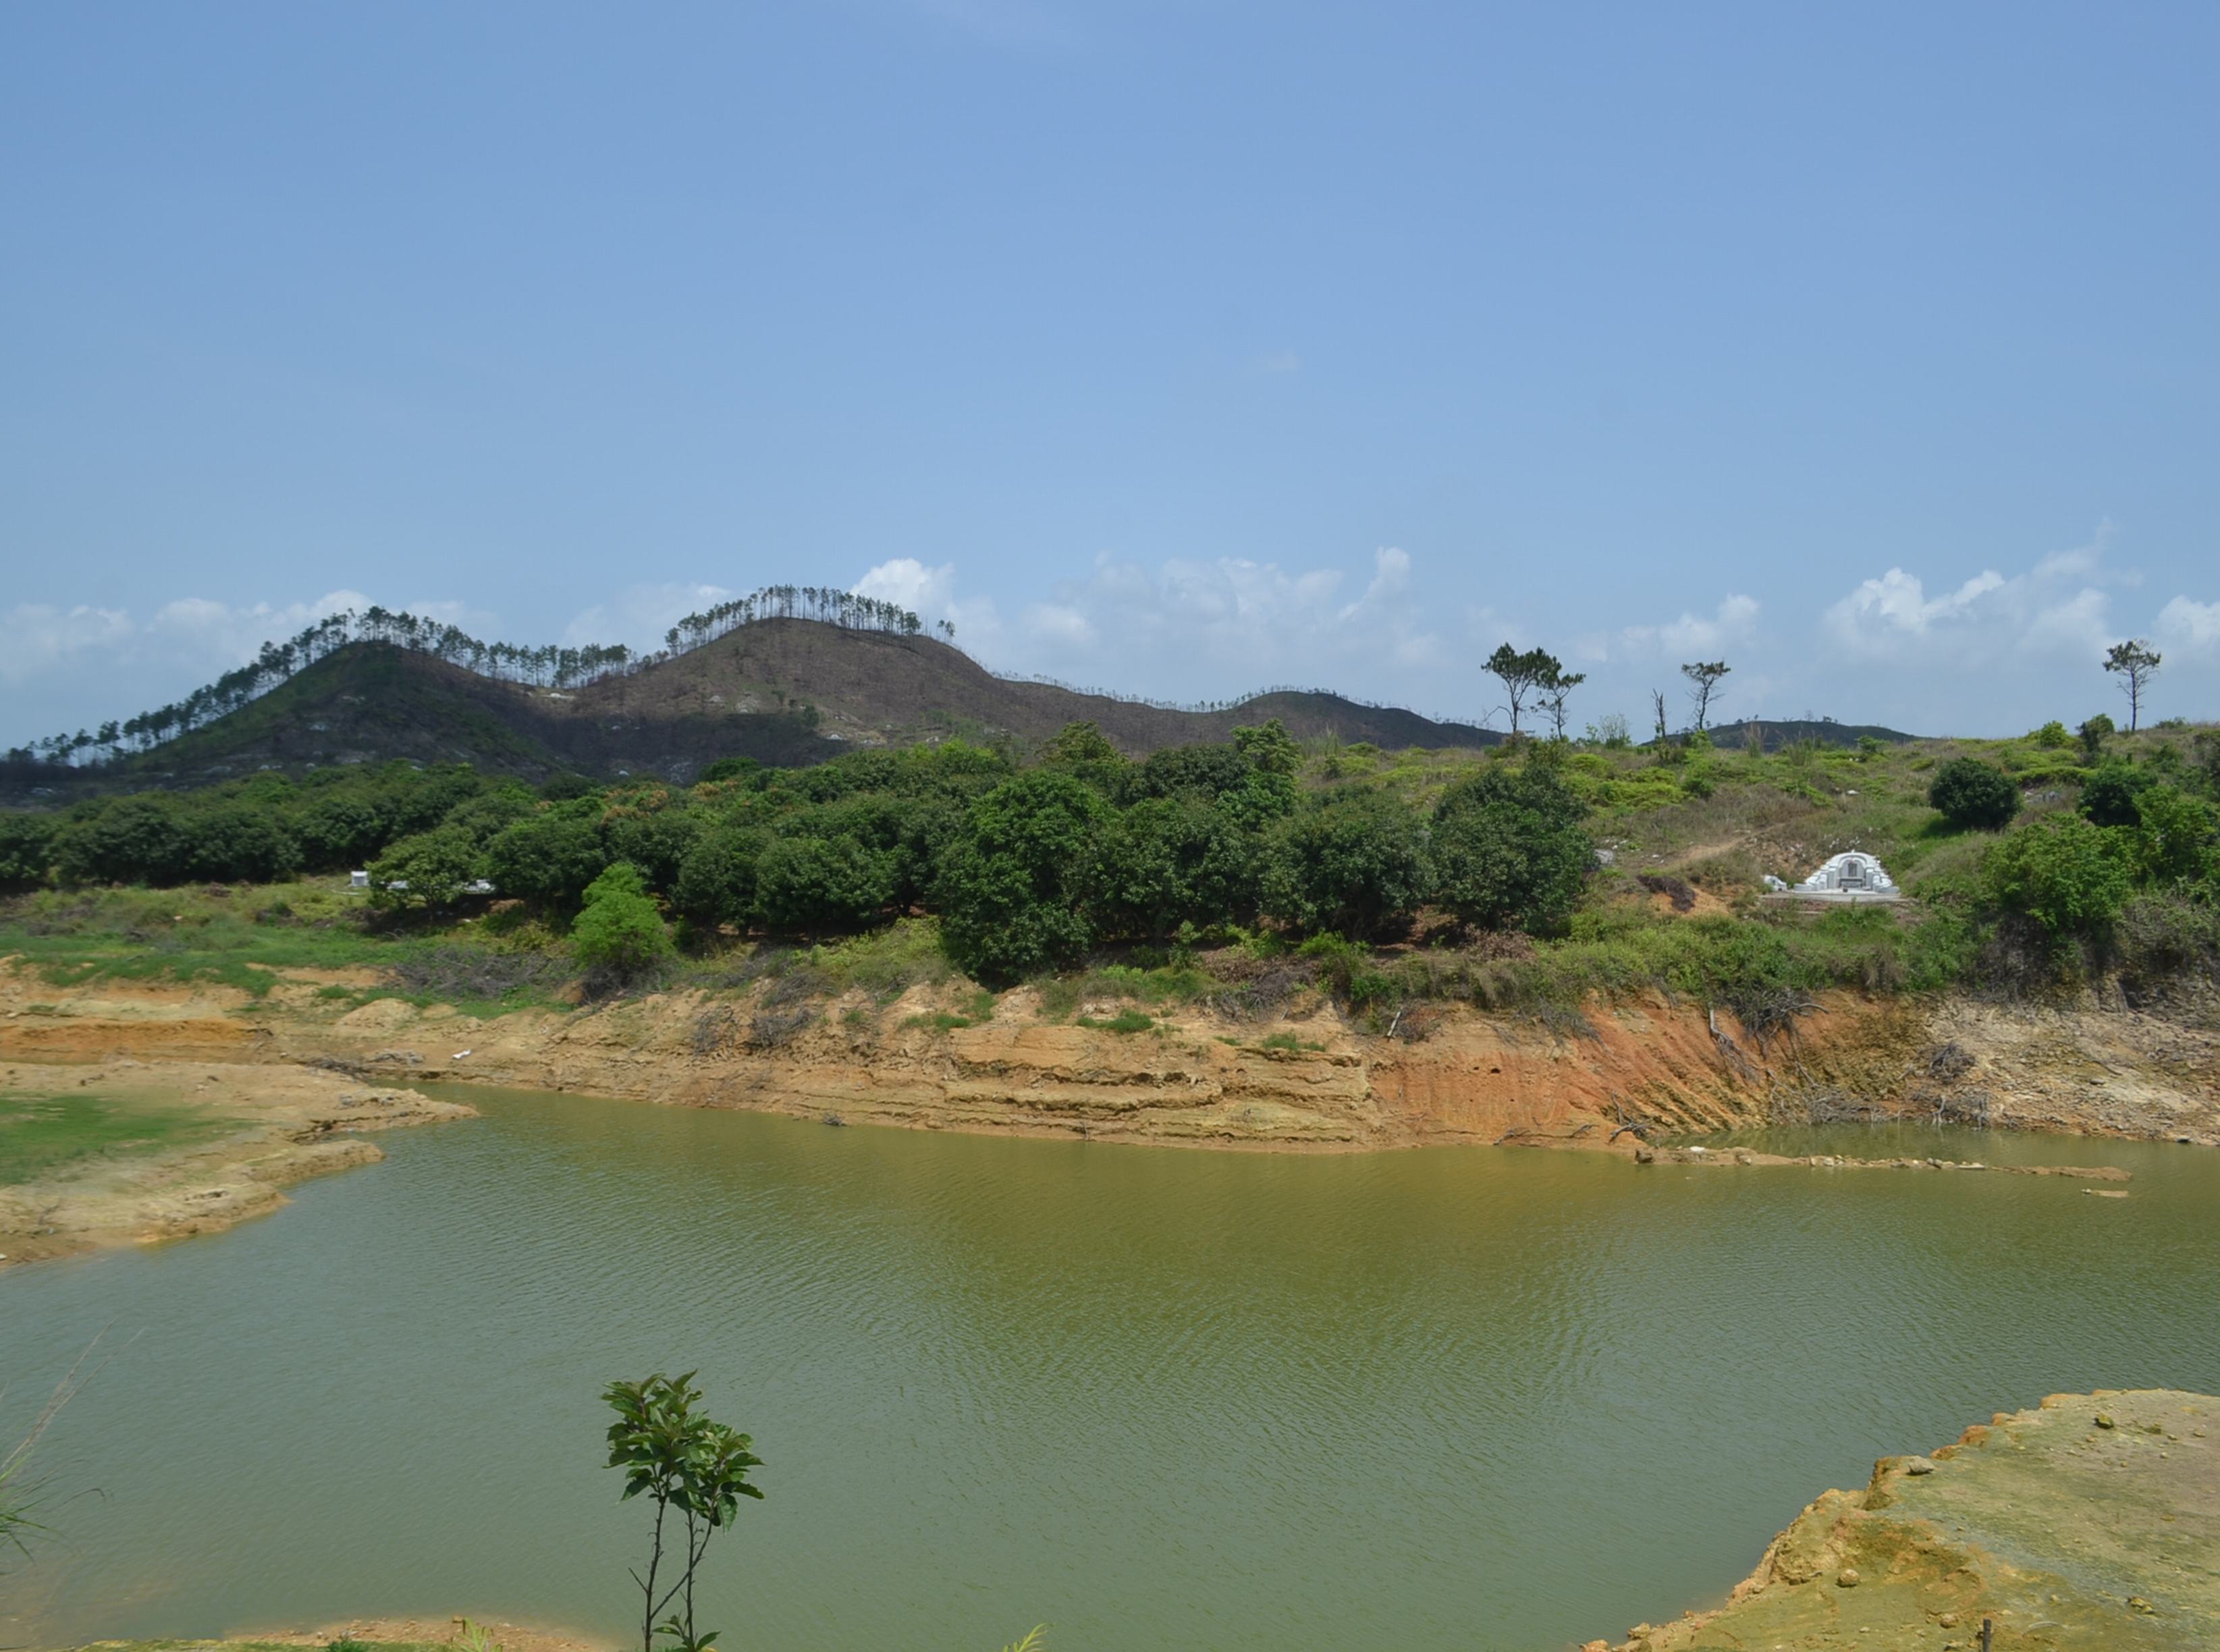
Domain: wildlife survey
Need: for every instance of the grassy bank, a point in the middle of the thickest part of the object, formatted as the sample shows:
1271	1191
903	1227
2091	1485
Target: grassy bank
1687	833
43	1136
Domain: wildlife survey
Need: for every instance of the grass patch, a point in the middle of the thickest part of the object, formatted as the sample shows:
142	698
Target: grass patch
886	963
1126	1020
246	937
1288	1043
43	1134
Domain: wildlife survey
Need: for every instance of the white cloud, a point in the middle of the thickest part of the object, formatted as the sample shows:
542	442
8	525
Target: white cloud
909	583
929	593
40	636
82	665
1734	620
1280	361
639	615
2059	607
1240	614
2190	627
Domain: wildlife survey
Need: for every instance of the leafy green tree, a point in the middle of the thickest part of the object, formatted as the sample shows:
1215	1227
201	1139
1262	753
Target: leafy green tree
2093	733
550	857
1270	748
810	886
1206	772
1509	849
653	835
688	1465
125	840
1170	861
618	934
1703	680
2176	840
1971	796
236	841
716	882
1523	677
1553	690
1081	750
1354	863
2135	664
26	849
1015	885
725	769
2108	797
2067	874
342	831
486	814
428	872
2052	736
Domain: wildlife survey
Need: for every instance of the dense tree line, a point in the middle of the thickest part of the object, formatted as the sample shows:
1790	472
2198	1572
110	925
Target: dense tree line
1032	867
1028	867
549	665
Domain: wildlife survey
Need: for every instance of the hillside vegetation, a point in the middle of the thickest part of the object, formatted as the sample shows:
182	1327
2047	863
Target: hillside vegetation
783	691
1528	877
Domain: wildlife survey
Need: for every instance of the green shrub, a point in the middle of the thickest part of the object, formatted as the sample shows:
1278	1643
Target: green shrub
1971	796
429	871
619	934
1015	884
1126	1020
1355	862
2065	874
1508	849
2052	736
2109	796
2175	839
810	886
27	849
2093	734
550	858
716	882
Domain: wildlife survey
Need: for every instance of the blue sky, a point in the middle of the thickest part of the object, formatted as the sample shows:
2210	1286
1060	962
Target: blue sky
1178	348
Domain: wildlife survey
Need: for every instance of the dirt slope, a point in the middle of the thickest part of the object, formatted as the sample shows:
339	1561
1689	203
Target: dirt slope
1307	1077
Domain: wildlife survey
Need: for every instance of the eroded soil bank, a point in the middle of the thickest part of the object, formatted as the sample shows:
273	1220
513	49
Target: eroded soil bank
220	1139
2092	1522
1303	1076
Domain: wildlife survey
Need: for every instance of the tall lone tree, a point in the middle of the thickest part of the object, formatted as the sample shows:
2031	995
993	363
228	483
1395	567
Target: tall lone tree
2138	663
1555	690
1523	676
1704	687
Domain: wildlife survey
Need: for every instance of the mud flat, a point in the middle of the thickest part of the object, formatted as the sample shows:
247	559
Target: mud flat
174	1148
2090	1522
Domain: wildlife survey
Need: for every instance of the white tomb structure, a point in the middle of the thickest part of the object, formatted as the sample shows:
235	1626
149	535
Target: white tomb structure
1852	877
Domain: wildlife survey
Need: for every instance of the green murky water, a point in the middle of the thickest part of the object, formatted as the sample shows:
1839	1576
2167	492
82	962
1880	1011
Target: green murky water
1453	1399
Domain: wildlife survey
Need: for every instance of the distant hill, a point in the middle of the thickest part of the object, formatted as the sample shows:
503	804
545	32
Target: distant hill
783	691
1787	730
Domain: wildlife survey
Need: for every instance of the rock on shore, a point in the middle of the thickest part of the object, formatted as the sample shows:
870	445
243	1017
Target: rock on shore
2091	1523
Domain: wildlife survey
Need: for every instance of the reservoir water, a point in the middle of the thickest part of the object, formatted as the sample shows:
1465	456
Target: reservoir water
1446	1398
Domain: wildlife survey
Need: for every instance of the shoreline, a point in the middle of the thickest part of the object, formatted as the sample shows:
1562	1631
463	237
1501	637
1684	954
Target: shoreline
2086	1524
324	1058
250	1130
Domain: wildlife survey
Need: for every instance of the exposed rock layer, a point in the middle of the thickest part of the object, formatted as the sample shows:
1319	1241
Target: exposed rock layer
1308	1078
2089	1524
